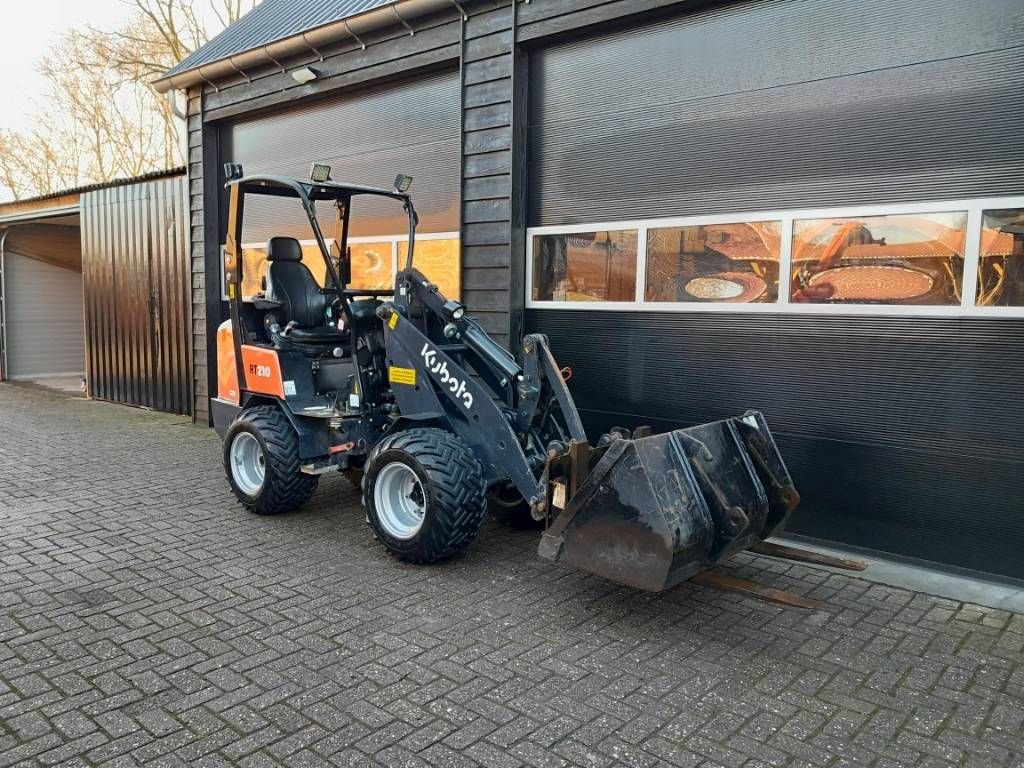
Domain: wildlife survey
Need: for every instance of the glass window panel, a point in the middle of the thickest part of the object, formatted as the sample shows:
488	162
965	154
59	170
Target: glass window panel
1001	263
735	263
894	259
585	266
439	261
371	265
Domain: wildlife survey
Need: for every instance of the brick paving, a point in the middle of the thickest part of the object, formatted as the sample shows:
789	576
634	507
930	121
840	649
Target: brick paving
145	618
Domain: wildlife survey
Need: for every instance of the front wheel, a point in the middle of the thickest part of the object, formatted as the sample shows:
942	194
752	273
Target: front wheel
424	495
261	458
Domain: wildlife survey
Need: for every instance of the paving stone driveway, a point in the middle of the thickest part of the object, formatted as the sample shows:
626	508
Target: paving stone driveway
145	618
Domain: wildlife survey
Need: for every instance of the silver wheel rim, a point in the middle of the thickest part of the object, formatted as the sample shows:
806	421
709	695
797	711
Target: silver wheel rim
248	465
399	500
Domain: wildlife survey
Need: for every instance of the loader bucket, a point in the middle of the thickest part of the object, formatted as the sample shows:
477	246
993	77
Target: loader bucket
653	511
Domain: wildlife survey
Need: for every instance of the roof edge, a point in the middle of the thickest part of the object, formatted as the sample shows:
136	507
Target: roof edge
42	213
151	176
351	27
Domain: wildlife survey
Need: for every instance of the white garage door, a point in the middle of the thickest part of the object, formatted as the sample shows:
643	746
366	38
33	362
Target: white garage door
45	330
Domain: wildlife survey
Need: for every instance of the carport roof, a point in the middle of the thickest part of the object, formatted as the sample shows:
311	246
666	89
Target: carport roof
55	203
270	21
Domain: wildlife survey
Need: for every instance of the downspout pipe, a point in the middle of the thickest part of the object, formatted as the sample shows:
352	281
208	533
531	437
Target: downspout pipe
181	124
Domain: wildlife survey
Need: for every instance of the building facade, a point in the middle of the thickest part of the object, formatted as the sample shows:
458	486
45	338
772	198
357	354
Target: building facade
810	207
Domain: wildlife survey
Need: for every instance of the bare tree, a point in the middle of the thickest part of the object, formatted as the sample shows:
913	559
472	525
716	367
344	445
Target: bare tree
100	119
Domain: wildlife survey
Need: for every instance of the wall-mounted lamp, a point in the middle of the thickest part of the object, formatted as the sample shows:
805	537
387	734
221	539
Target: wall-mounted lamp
304	75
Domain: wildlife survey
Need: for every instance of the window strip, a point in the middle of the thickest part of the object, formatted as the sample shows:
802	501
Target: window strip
973	207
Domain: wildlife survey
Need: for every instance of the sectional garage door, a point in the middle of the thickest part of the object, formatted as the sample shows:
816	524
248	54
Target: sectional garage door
903	431
45	330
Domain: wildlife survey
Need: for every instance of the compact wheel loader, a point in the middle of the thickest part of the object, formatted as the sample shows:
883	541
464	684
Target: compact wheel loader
404	392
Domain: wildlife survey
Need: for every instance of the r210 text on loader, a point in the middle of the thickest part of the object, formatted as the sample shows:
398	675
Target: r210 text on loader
405	392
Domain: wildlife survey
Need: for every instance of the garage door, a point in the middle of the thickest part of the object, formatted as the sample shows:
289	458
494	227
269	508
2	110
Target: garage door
366	137
44	321
701	143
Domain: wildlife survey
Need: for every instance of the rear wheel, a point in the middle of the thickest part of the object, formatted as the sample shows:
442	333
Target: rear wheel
261	459
424	495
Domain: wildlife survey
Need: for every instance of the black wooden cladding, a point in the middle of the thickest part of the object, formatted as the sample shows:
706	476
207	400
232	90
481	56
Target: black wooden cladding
204	211
490	270
762	105
135	273
903	434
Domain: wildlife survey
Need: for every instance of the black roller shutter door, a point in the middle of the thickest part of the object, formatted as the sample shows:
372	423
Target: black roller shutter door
367	137
903	433
794	104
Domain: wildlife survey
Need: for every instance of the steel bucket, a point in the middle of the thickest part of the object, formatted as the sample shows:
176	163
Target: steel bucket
655	510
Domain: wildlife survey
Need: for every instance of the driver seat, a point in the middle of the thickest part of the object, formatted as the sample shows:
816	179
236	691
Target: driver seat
290	282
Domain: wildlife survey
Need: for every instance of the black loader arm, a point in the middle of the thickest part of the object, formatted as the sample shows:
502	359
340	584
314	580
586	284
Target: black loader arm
444	368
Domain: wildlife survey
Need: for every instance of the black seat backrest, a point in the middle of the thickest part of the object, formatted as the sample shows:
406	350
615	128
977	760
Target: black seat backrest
290	282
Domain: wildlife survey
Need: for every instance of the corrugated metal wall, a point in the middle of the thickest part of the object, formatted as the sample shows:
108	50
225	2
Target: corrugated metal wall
136	275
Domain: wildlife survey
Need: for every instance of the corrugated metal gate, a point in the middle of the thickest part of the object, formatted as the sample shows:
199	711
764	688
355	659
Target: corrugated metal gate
136	277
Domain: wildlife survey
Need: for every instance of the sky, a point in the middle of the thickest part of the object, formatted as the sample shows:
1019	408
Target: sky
27	29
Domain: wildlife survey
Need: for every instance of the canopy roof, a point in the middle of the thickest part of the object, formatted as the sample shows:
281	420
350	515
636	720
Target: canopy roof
286	186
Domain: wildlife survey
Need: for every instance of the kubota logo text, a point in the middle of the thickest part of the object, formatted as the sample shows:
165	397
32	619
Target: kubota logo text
439	368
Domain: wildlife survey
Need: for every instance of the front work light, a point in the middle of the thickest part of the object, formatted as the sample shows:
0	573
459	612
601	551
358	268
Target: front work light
402	183
304	75
232	171
320	173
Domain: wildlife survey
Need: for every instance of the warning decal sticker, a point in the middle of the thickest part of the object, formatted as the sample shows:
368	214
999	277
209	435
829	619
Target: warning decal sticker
402	375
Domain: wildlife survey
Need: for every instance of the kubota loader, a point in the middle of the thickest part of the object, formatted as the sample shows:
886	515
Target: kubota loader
404	392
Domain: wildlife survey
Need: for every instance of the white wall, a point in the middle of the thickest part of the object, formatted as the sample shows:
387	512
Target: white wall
45	318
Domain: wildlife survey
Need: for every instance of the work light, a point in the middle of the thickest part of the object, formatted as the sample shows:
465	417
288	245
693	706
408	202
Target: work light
320	173
304	75
402	183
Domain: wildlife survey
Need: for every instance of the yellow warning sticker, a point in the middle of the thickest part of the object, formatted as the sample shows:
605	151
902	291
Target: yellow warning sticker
402	375
393	321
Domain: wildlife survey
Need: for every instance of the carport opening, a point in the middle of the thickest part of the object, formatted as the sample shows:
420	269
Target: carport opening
43	317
